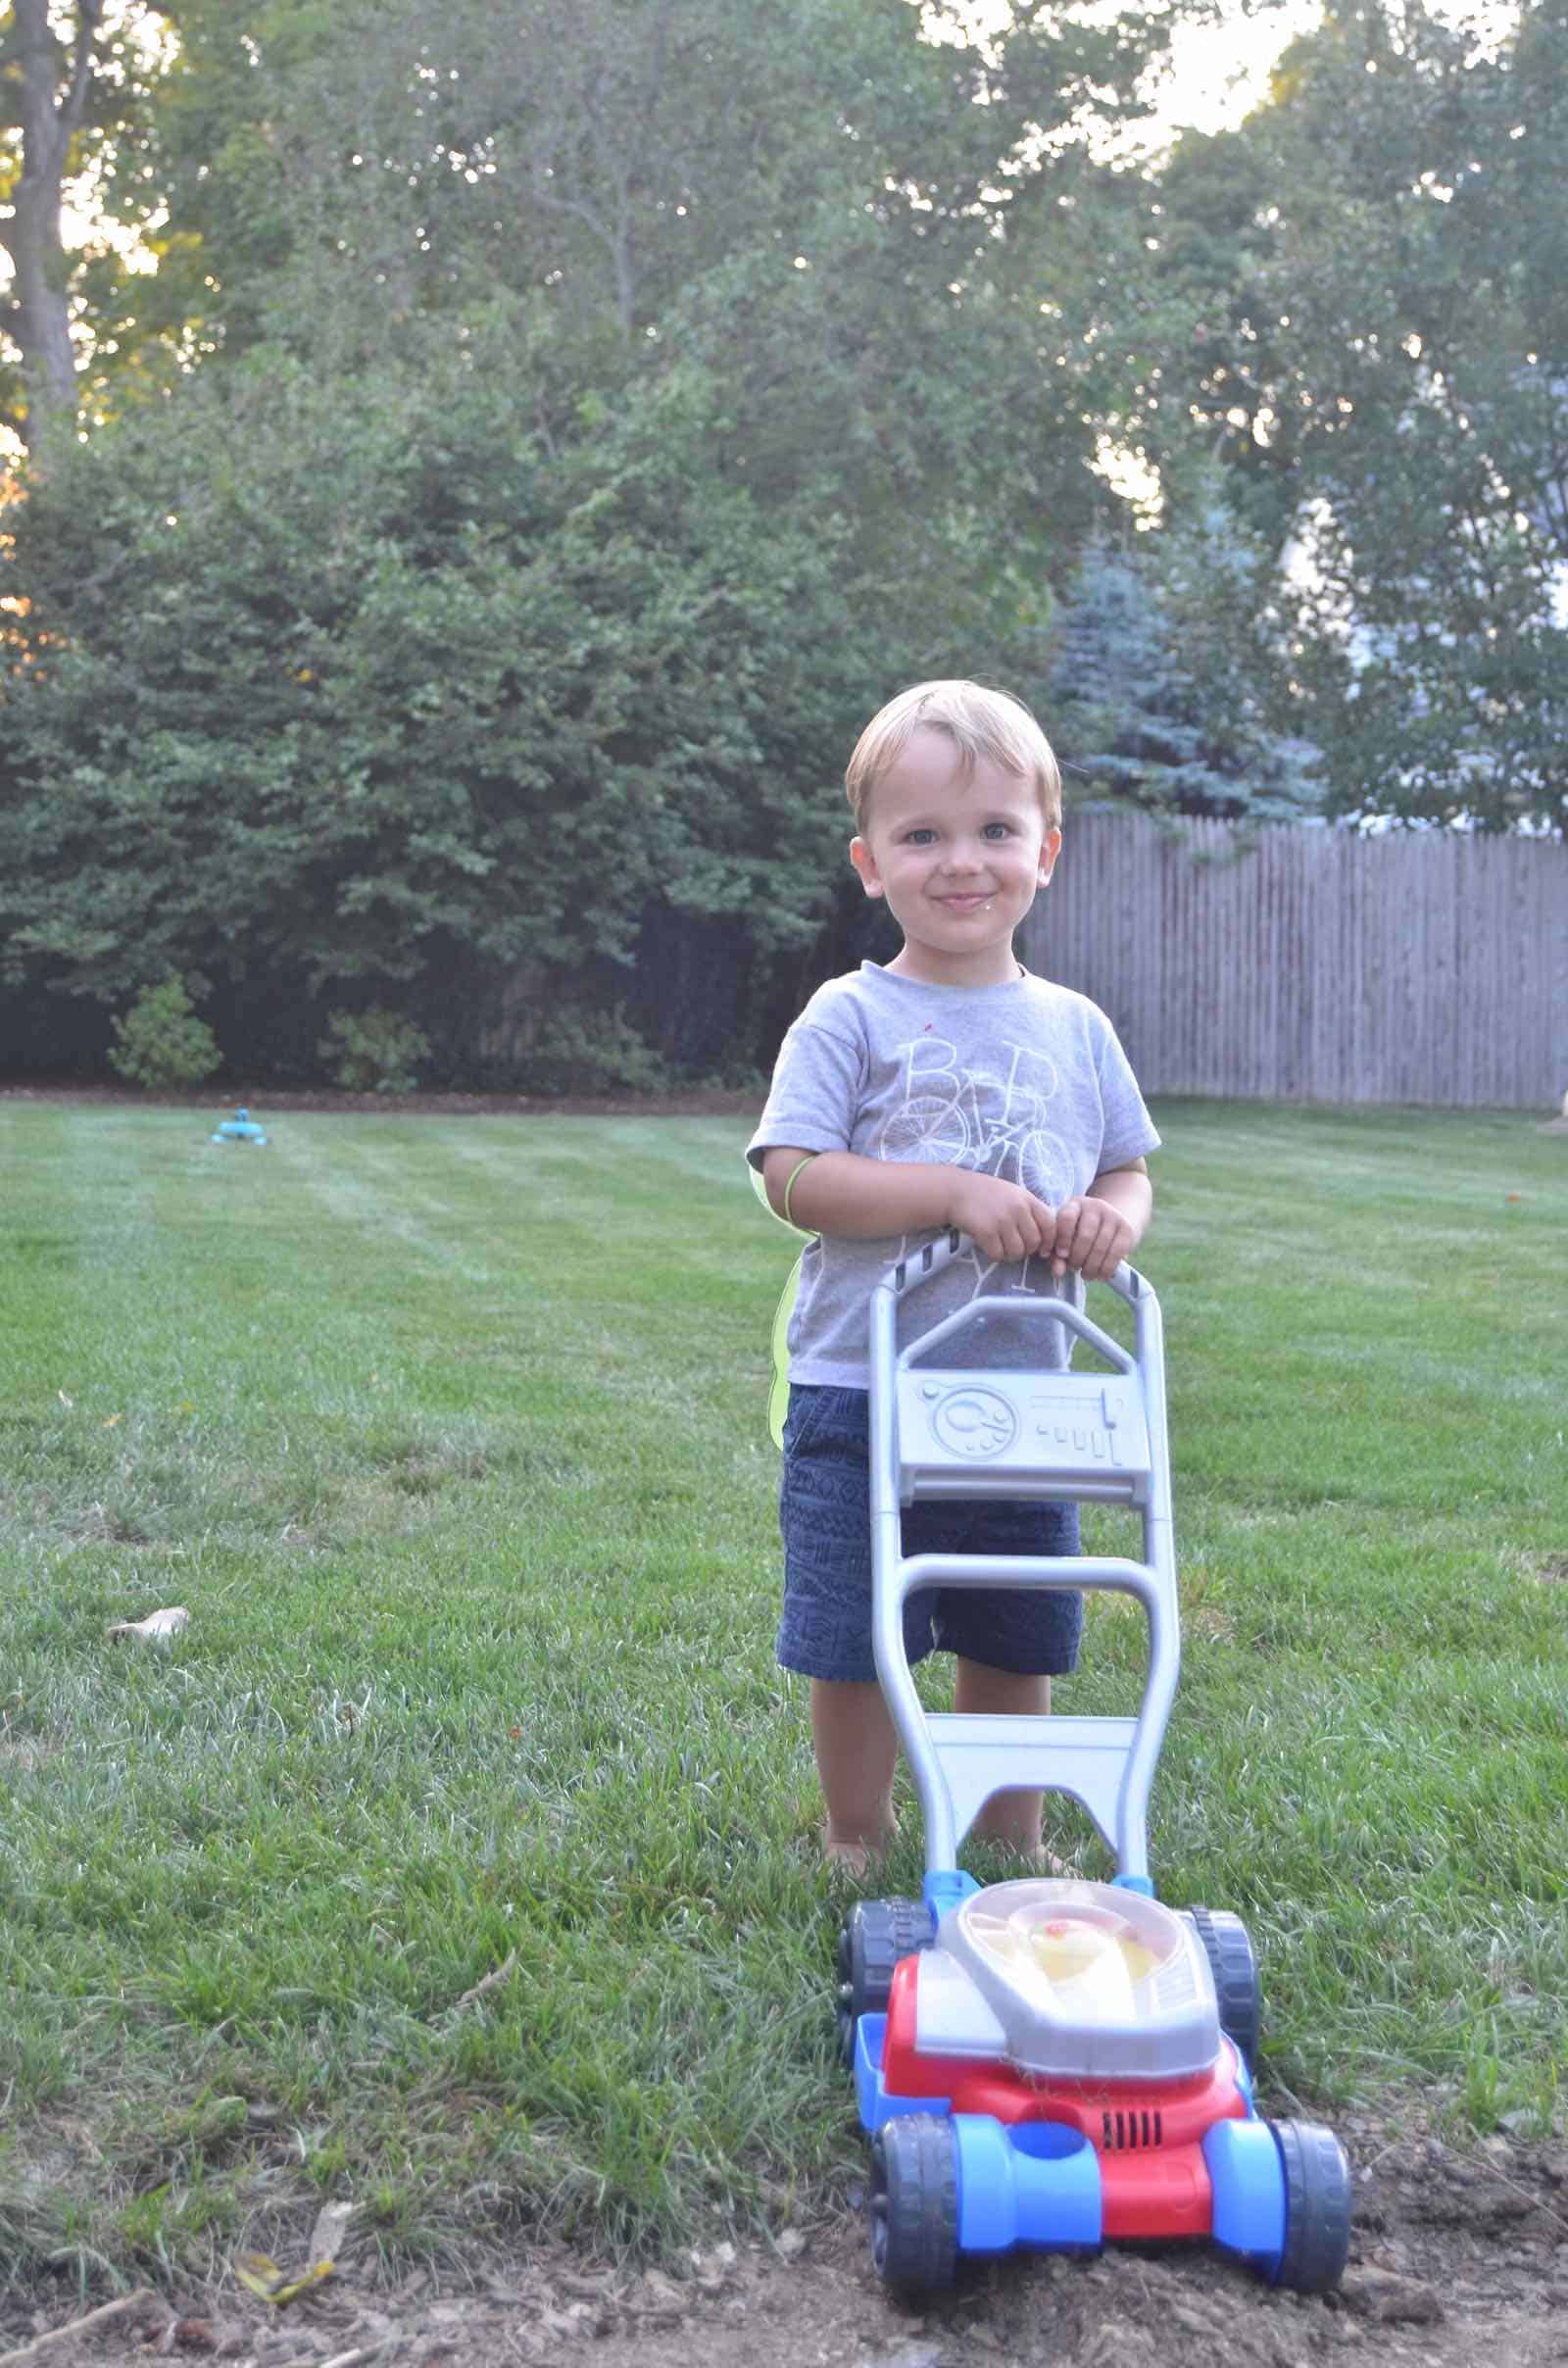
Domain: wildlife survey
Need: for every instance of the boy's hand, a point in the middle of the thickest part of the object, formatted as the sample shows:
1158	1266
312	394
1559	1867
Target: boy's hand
1004	1219
1092	1237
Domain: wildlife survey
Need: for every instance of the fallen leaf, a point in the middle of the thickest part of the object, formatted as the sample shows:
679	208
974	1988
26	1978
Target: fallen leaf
331	2228
109	1424
156	1623
64	1400
261	2275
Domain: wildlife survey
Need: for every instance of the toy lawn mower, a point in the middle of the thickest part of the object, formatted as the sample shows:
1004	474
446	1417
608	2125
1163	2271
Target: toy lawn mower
1052	2063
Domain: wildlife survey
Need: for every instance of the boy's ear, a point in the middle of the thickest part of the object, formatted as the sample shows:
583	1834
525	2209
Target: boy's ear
864	863
1049	849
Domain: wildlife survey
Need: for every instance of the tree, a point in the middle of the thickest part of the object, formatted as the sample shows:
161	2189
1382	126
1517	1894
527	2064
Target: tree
1389	391
47	84
387	712
1435	665
572	469
1159	691
82	326
1218	379
578	168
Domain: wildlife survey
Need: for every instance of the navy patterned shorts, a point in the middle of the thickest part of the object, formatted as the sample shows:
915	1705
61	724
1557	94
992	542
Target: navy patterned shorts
825	1516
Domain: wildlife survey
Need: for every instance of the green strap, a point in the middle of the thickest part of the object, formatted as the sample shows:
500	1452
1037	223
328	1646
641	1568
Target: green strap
778	1395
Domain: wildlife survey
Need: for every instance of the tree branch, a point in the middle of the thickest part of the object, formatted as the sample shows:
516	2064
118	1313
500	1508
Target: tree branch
89	13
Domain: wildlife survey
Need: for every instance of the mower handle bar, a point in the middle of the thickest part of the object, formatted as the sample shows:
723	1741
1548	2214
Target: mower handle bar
1107	1764
920	1264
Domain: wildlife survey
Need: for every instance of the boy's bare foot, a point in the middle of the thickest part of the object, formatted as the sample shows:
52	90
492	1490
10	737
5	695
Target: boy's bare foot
853	1853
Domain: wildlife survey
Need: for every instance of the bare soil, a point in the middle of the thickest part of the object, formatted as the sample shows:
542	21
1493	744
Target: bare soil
695	1102
1459	2259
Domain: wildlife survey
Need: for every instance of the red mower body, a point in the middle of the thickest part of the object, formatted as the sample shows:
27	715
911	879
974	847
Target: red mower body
1149	2135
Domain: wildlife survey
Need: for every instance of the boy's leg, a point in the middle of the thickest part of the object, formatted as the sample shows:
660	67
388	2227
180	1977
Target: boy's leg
1011	1818
857	1751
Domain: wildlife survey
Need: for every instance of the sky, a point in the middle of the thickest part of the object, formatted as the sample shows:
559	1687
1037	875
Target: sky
1219	72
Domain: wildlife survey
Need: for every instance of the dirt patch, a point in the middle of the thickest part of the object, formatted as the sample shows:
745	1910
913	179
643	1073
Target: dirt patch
1459	2261
695	1102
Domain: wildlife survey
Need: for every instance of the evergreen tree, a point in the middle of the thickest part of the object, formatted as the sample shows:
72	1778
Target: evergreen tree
1158	692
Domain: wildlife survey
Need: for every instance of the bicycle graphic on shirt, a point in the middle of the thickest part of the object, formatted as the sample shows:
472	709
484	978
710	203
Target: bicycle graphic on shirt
951	1117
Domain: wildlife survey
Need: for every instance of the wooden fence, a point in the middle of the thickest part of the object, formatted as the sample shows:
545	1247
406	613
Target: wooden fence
1309	965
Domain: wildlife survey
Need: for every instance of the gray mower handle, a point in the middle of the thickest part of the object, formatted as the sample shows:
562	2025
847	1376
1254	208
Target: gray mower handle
921	1264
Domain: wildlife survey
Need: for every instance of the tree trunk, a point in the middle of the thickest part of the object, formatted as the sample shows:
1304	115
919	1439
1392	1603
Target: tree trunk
39	317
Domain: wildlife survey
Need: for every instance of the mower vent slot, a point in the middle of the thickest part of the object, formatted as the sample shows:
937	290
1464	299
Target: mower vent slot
1123	2131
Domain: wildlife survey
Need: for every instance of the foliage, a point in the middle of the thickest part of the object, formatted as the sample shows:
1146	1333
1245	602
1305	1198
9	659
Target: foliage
554	1050
344	665
525	469
374	1051
1377	345
1159	689
161	1043
513	704
79	85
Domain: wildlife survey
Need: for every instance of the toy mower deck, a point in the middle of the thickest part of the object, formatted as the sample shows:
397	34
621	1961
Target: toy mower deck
1052	2063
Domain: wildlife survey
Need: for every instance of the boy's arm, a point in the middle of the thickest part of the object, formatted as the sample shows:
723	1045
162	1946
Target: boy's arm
842	1193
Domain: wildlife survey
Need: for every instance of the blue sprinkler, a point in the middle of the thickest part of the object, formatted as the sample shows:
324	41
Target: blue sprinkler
242	1128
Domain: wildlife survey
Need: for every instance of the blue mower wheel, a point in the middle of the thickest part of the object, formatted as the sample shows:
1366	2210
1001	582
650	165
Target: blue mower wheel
878	1933
1317	2207
1233	1962
915	2203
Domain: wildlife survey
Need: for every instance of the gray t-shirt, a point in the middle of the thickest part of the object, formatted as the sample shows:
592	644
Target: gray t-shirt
1025	1080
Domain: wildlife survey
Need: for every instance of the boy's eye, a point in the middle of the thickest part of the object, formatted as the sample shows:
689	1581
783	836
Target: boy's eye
997	830
921	838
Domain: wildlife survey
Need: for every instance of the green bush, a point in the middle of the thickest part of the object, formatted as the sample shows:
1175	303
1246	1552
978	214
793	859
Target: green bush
374	1051
159	1043
584	1050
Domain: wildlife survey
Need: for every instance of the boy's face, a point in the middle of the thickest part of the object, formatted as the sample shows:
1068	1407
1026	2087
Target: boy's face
959	861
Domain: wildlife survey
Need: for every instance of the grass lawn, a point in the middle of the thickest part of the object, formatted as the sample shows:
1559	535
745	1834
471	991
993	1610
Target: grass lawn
450	1435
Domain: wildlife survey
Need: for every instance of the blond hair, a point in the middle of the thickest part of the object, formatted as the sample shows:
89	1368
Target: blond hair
981	724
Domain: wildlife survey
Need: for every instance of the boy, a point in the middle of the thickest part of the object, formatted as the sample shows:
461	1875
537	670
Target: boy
949	1088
